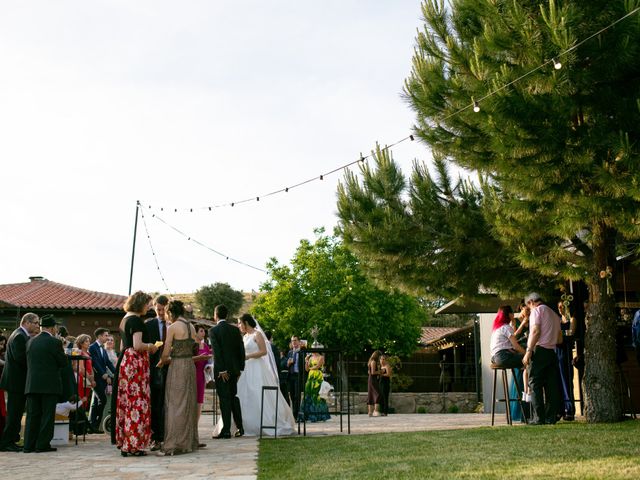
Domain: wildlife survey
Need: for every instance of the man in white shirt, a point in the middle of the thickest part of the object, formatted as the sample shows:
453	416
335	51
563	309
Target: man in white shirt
541	358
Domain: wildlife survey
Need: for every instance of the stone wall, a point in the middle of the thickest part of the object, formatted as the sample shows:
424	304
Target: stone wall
466	402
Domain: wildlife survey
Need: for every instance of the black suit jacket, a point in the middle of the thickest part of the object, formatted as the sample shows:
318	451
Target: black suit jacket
100	366
291	355
14	375
228	349
153	335
45	359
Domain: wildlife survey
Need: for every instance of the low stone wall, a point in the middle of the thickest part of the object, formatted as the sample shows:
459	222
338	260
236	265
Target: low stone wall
466	402
450	402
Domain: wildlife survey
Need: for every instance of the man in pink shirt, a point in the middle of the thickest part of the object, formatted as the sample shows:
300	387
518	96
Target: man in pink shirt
544	334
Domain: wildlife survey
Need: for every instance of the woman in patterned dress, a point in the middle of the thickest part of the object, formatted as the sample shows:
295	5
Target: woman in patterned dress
133	412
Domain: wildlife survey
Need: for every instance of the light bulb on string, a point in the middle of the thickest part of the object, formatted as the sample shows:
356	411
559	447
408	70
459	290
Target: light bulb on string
476	107
557	65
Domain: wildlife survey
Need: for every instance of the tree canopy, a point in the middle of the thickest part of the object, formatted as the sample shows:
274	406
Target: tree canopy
208	296
325	286
557	150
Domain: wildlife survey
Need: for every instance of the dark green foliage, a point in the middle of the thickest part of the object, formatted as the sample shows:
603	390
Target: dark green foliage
325	286
428	236
209	296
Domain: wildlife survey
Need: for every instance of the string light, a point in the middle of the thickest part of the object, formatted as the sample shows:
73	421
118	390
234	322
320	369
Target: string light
153	253
194	240
475	105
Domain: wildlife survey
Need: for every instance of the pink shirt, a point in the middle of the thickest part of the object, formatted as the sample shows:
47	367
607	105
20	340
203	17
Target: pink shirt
549	323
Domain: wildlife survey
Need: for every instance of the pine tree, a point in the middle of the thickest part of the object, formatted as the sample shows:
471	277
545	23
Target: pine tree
559	149
428	236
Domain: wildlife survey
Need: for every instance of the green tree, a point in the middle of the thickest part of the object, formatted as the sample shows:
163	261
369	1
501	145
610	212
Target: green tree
557	149
218	293
324	286
428	235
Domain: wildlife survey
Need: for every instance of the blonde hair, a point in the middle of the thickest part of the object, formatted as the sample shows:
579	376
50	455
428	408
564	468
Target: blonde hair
137	302
80	339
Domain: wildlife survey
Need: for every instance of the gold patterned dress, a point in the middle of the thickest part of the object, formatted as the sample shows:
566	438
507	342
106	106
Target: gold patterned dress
180	400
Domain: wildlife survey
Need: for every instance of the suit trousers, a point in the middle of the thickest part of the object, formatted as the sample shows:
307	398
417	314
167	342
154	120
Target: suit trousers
157	412
229	403
15	408
294	392
97	407
41	414
543	381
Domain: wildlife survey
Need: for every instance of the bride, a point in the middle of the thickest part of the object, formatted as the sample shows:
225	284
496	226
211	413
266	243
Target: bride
260	370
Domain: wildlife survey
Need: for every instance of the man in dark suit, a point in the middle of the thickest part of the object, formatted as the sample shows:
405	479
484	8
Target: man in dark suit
103	372
157	331
295	362
45	361
14	378
228	364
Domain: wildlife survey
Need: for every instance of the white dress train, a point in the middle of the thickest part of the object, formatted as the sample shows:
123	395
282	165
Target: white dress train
257	374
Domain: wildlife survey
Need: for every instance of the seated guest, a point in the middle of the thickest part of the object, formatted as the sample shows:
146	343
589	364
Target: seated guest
506	352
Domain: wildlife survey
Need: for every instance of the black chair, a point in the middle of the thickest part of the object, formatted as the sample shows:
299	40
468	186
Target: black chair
506	399
274	427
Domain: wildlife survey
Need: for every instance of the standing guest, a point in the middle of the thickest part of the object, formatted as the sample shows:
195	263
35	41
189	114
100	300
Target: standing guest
84	374
132	427
157	332
315	407
14	378
3	407
181	405
386	372
295	363
45	361
283	377
544	335
104	371
373	385
229	355
201	360
110	347
564	351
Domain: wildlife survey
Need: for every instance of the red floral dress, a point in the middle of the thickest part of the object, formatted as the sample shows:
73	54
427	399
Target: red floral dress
133	412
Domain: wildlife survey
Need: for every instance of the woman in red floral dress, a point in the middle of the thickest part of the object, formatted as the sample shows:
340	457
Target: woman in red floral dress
133	409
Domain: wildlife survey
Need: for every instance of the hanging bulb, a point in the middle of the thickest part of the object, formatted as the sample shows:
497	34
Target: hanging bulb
557	65
286	189
257	199
476	107
321	177
411	138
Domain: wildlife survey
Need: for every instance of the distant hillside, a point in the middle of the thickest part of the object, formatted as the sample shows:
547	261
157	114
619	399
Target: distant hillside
190	299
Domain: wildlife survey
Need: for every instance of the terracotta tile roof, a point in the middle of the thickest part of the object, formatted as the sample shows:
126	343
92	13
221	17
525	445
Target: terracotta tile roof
433	334
42	293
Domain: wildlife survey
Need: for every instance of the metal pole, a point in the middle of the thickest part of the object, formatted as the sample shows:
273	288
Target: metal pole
476	354
133	250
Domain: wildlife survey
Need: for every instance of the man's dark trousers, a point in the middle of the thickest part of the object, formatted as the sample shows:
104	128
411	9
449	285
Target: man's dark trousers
543	380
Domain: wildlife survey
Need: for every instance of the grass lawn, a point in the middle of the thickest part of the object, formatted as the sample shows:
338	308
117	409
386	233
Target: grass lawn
566	450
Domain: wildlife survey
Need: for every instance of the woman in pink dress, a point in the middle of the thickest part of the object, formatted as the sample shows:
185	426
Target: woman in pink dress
202	359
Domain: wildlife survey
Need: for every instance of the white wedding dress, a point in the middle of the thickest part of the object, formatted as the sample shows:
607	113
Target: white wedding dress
257	373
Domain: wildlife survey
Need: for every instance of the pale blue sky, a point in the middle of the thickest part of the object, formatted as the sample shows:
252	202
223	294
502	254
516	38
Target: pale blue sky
186	104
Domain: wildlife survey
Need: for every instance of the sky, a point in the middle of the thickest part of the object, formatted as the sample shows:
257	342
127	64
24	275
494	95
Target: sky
186	105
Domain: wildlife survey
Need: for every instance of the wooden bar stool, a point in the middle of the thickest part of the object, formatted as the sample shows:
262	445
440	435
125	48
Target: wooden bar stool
275	424
506	399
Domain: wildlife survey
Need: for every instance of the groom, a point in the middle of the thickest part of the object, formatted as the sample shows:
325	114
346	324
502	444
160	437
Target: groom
228	354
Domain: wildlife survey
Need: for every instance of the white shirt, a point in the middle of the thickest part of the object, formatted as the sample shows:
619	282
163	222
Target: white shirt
500	339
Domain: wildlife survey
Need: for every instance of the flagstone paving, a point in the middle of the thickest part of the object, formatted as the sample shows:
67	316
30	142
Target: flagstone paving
234	459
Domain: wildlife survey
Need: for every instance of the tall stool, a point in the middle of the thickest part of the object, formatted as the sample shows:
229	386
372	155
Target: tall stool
274	427
506	399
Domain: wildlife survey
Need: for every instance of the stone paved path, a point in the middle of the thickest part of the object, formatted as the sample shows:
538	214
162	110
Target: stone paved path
234	459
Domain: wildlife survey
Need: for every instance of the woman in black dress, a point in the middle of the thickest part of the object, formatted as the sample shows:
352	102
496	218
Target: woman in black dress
373	385
132	425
